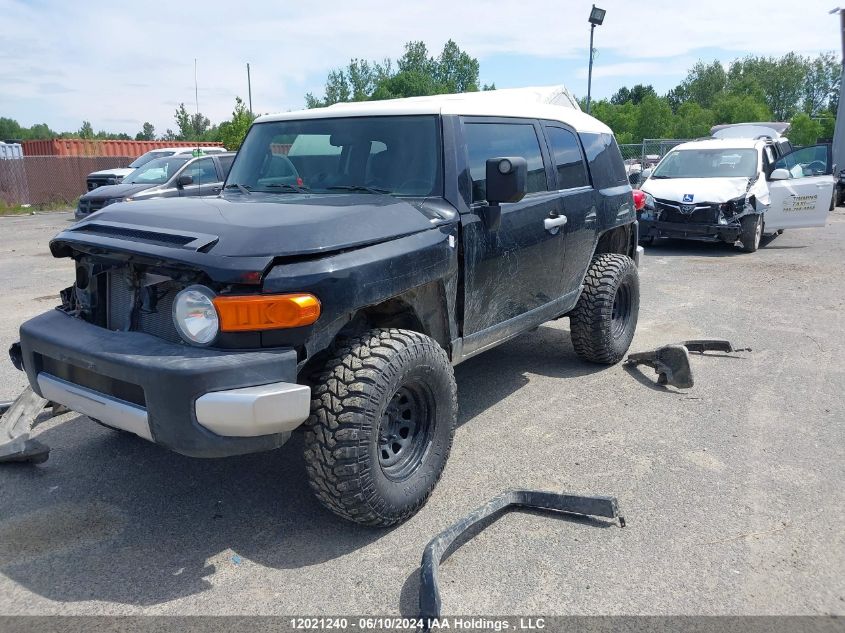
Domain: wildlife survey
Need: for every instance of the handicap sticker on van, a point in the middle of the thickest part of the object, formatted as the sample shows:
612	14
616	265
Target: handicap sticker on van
687	197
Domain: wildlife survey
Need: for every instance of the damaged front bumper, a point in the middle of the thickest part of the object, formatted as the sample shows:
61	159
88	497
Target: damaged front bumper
708	232
702	221
195	401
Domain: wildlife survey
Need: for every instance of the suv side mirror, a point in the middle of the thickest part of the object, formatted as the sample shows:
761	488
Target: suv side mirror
183	180
780	174
506	179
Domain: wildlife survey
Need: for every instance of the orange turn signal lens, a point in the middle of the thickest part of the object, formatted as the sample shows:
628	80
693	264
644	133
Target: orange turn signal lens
246	313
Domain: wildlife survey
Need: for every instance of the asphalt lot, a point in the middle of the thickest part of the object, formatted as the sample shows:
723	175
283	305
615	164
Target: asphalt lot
731	490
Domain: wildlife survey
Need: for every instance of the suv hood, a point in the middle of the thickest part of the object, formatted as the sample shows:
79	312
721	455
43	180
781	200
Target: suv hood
116	191
246	232
713	190
117	171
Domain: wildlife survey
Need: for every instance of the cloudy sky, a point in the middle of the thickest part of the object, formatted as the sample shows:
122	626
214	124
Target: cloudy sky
120	64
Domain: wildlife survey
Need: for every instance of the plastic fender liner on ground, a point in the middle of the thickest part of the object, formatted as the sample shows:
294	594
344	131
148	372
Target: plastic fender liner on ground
514	499
671	362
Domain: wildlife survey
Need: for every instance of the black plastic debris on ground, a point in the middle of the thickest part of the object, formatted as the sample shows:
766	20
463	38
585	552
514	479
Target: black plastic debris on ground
430	602
671	362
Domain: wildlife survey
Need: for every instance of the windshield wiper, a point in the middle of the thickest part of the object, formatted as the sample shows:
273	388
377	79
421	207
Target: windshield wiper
242	188
374	190
288	187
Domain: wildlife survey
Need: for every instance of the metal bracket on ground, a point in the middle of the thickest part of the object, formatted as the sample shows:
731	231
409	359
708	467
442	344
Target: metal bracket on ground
19	418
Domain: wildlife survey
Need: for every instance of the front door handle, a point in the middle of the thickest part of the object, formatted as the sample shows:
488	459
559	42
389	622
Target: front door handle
552	223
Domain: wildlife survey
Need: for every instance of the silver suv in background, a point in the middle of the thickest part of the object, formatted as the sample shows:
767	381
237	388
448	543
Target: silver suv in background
115	175
168	177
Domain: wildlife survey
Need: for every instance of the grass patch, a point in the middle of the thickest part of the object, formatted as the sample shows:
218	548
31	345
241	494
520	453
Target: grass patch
46	207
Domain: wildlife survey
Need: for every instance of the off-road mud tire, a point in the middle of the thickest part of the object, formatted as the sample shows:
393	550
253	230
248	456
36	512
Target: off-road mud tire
605	318
352	396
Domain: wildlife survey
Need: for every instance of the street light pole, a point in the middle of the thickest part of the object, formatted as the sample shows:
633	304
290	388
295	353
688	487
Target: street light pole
595	19
838	149
590	70
842	28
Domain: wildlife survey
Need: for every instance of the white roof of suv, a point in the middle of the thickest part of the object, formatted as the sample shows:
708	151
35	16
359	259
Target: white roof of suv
716	143
188	150
546	102
774	130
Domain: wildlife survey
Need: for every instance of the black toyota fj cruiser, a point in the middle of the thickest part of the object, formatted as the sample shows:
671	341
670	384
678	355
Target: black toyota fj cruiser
355	255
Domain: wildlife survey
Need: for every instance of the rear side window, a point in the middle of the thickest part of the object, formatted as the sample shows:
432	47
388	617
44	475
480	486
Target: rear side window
491	140
605	160
226	164
566	154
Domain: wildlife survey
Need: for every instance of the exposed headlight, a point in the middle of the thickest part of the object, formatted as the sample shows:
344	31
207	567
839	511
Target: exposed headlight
195	316
112	201
649	201
735	206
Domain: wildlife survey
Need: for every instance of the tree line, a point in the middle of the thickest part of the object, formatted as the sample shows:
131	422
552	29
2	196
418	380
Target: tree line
189	127
801	90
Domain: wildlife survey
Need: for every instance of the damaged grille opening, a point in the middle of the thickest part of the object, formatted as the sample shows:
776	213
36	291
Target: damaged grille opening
154	299
701	213
122	297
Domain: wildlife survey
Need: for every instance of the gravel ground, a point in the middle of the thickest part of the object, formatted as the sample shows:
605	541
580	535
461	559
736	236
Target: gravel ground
729	489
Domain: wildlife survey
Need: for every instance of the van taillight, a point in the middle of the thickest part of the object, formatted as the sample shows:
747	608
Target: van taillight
639	199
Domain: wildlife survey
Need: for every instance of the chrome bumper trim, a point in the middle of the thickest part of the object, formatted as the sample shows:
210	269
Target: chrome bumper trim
108	410
279	407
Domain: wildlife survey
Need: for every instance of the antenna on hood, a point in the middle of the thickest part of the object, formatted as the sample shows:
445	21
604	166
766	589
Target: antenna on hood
196	96
198	151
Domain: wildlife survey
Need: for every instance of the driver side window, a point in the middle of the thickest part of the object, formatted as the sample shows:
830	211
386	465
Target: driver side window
202	171
491	140
806	162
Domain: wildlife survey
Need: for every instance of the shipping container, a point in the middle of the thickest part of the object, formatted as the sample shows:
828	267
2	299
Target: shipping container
90	147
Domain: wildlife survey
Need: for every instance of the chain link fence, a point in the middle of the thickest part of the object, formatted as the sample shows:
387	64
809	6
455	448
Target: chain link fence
50	180
639	157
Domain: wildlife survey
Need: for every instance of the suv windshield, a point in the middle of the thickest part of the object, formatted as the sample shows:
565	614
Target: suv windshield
395	154
146	158
708	163
156	172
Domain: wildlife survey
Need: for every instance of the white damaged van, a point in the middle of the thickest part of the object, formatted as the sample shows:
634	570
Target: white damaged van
733	188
